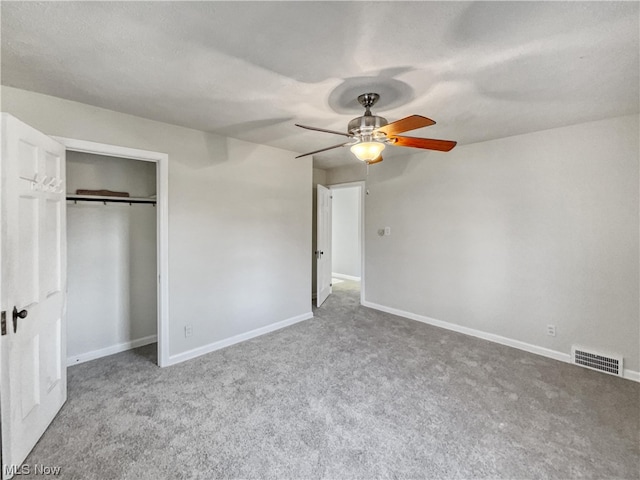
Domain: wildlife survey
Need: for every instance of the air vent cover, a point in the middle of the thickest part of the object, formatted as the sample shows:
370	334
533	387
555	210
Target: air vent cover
597	361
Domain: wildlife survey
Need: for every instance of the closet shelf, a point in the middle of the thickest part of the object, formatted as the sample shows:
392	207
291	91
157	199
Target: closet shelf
97	198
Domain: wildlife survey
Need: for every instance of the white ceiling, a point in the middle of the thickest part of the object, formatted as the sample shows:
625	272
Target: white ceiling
251	69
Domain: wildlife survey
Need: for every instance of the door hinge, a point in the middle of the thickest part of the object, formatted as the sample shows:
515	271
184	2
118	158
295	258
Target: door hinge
3	322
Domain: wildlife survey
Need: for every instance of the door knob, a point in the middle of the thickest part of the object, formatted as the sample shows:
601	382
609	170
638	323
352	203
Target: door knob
18	314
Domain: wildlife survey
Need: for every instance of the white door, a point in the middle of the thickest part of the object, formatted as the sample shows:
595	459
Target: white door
323	254
33	378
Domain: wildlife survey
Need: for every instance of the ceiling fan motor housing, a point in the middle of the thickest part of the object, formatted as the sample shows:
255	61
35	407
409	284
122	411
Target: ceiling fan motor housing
366	124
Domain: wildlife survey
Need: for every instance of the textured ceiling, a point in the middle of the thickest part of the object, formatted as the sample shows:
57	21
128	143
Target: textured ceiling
249	70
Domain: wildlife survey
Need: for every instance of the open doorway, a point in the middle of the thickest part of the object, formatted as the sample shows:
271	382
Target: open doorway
347	238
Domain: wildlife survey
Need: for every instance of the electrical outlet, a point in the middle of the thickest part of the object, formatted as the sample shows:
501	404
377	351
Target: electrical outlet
188	331
551	330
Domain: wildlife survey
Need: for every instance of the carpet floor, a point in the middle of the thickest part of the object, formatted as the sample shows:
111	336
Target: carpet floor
351	394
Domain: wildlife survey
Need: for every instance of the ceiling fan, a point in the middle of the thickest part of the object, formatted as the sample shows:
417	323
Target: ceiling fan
369	134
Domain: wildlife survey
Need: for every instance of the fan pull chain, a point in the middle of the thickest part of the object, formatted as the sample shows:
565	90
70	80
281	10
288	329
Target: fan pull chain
366	181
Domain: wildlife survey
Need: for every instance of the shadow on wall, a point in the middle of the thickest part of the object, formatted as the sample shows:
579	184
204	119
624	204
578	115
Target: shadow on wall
408	164
391	168
262	131
215	148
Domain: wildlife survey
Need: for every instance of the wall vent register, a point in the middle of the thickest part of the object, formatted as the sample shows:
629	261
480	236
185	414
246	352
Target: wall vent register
597	361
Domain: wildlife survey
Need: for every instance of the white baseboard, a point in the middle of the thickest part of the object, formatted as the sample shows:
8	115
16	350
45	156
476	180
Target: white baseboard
631	375
345	277
103	352
527	347
196	352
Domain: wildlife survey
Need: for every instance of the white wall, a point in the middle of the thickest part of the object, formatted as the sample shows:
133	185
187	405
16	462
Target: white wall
345	231
111	257
239	216
354	172
510	235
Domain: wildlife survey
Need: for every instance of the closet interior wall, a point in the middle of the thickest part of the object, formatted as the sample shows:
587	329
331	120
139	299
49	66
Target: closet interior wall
112	259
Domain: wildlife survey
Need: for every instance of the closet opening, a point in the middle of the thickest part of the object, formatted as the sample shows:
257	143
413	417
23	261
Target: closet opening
116	251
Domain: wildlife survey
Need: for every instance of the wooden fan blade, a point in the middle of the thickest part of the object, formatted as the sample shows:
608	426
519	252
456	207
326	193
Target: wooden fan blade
375	160
426	143
323	149
405	124
324	130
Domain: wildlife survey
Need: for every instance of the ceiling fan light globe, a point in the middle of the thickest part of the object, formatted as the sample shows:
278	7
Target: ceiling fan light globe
367	151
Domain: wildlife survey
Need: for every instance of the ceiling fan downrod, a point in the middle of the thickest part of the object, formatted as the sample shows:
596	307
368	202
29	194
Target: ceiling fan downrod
368	100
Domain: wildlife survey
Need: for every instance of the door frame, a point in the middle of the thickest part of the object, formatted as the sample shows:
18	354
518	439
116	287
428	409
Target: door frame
162	223
363	195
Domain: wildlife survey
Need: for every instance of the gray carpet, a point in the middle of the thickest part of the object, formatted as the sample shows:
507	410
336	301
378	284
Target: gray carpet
351	394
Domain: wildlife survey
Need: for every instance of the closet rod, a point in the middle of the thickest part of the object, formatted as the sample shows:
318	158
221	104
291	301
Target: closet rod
78	198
